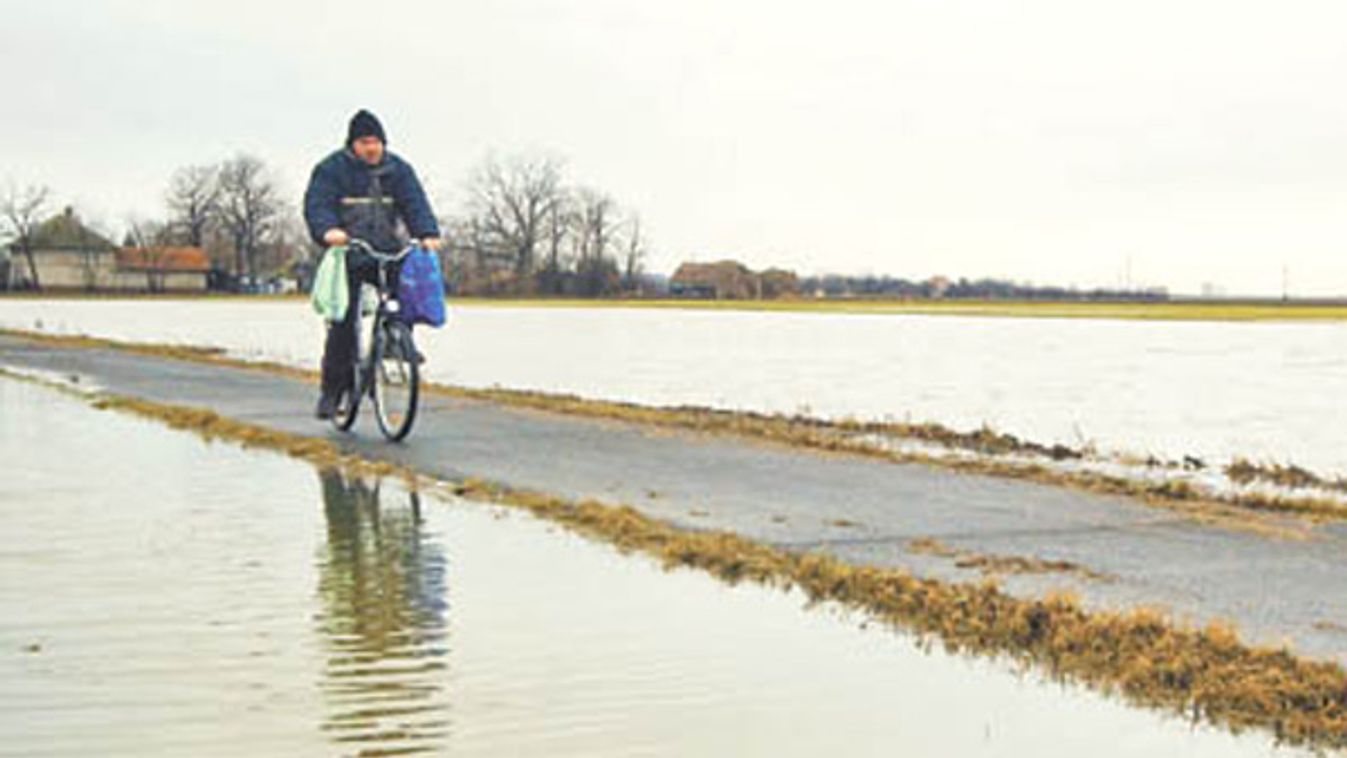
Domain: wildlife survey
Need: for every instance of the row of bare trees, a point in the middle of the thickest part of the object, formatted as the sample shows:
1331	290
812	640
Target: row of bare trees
235	211
525	230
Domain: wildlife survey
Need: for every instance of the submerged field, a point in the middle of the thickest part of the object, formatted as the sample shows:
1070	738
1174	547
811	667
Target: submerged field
1166	311
1262	391
1187	310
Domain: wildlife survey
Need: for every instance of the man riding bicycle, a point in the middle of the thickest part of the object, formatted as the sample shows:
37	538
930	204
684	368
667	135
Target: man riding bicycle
362	191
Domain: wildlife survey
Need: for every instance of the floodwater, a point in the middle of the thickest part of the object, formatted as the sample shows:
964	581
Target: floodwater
161	595
1267	391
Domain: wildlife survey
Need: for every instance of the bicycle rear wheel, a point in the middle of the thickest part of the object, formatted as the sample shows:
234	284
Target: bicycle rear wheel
396	380
348	407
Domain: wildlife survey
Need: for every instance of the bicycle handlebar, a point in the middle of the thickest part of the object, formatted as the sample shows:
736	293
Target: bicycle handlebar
385	257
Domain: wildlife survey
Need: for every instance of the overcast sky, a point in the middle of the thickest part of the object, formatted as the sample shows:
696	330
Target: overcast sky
1043	140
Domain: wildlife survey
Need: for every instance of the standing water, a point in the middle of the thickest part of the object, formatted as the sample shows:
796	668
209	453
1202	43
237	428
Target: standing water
1266	391
161	595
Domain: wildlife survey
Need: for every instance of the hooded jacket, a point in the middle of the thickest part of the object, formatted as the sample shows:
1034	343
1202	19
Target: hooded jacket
367	201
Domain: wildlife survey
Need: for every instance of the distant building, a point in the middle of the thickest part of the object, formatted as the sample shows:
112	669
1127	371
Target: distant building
70	256
939	286
778	282
162	269
731	280
67	255
722	280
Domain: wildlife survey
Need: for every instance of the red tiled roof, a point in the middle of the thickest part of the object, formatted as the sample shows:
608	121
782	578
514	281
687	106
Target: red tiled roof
191	259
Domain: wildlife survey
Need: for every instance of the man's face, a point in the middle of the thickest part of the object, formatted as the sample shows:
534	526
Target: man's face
369	150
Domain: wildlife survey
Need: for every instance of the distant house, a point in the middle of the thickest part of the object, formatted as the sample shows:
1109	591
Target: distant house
70	256
162	269
778	282
731	280
67	255
722	280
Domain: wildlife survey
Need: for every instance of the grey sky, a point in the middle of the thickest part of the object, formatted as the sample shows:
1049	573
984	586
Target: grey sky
1042	140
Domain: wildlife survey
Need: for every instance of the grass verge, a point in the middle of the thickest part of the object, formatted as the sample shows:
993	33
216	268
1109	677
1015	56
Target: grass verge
1244	510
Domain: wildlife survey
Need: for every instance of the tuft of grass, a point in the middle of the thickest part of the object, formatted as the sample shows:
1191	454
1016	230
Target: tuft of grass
931	546
1244	471
999	565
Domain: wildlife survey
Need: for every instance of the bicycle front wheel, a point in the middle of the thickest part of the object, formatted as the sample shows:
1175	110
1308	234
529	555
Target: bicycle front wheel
396	380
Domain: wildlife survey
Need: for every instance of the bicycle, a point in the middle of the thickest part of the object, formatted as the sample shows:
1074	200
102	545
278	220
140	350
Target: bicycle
386	360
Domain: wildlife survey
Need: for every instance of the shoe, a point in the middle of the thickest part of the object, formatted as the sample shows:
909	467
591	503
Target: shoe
327	406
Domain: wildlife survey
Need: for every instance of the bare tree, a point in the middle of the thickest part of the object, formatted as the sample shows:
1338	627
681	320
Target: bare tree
150	238
561	225
634	253
513	200
525	229
462	252
22	211
147	232
597	223
249	208
193	200
288	245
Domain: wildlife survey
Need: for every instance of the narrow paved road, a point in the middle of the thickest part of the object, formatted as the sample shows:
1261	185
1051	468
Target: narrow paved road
862	510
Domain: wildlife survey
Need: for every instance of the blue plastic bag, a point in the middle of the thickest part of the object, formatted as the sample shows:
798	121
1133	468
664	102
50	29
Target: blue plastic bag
421	288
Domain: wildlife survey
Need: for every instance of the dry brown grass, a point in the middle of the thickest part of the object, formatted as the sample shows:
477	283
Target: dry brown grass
1000	565
1244	471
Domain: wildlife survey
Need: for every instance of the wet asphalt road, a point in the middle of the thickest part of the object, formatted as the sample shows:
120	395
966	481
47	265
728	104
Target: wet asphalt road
864	511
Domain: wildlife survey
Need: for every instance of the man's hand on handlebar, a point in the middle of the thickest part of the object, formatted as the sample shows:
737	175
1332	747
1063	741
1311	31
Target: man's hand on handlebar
432	243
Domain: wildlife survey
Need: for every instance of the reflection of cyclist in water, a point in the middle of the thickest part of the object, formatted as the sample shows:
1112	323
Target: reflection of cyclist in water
362	191
383	616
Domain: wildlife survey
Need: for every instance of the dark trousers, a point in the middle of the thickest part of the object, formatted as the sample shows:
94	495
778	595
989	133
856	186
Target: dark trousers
339	350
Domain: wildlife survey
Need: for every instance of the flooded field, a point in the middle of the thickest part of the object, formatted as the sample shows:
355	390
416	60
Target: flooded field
1264	391
160	595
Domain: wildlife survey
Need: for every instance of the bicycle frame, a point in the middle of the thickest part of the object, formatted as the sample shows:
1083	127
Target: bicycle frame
385	305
